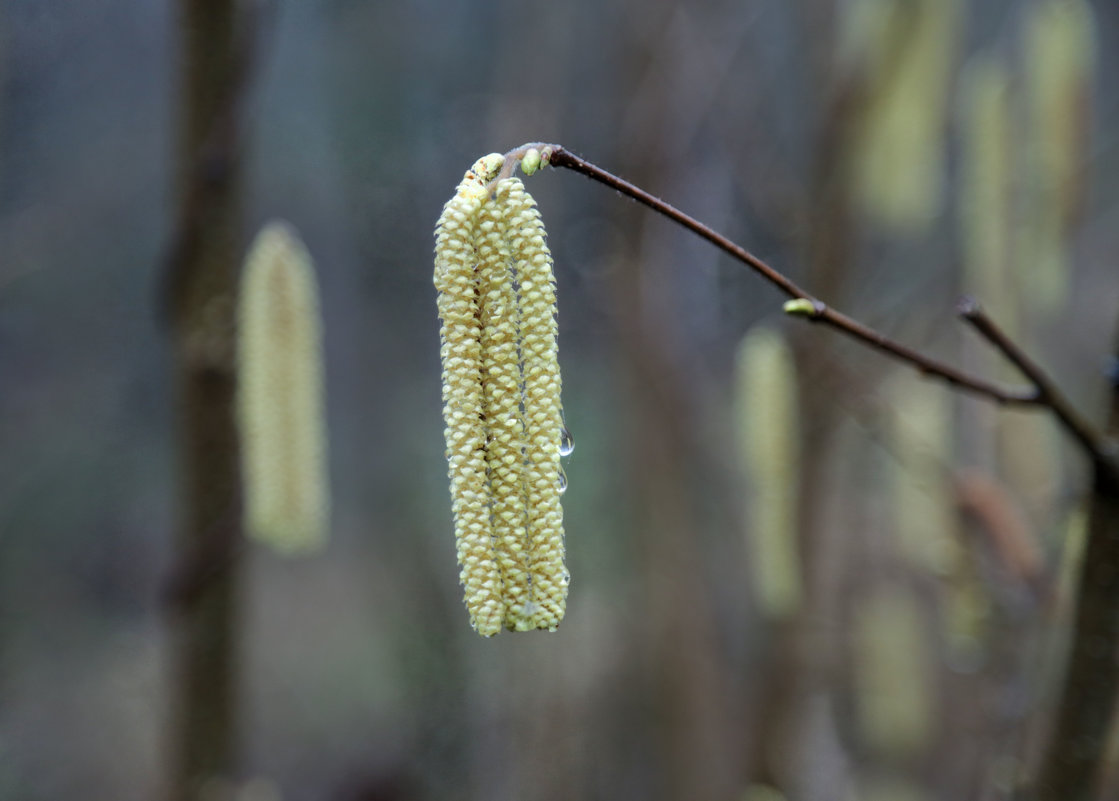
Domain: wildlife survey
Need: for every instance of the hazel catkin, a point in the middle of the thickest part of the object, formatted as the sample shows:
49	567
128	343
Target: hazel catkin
280	394
501	402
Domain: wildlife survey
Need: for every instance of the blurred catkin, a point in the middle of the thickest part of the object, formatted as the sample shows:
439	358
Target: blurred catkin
762	792
892	682
766	414
280	396
501	402
924	502
921	439
1059	51
902	52
1019	271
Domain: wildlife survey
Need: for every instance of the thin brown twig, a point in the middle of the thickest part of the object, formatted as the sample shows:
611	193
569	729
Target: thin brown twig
1049	394
1042	394
819	311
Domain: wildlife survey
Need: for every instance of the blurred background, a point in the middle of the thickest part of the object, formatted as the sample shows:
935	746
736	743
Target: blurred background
854	596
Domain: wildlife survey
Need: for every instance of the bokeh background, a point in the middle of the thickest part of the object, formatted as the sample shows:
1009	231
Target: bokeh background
888	154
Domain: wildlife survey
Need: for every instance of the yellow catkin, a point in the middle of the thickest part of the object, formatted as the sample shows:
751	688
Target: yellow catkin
1059	51
465	432
542	412
766	414
280	396
500	319
501	398
904	50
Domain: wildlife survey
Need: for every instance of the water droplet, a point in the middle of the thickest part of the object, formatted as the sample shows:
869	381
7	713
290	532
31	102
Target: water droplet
562	481
567	439
567	442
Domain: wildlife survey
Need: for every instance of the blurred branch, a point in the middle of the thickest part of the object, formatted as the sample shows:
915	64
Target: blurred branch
1071	765
1042	394
1047	392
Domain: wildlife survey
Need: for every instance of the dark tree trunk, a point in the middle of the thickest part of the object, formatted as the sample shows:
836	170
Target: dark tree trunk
201	284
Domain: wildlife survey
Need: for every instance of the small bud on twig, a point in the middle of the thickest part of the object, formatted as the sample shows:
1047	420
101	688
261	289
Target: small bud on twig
801	307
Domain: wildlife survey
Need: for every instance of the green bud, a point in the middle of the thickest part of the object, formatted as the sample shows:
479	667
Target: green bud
801	307
530	162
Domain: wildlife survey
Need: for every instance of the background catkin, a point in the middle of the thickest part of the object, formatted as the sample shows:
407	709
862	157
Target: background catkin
501	396
891	674
903	50
1059	44
280	395
768	438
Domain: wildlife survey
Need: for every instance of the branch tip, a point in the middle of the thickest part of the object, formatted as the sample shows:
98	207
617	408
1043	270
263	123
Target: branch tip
968	307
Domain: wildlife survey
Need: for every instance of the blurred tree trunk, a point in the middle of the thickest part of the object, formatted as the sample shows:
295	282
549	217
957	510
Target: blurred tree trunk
201	282
692	701
1071	766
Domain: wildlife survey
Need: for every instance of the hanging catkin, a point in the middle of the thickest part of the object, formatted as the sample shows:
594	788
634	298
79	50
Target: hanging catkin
902	52
1059	47
768	439
501	402
280	395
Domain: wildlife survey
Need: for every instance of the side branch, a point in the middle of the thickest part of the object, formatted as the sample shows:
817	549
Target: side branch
1042	393
1049	395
